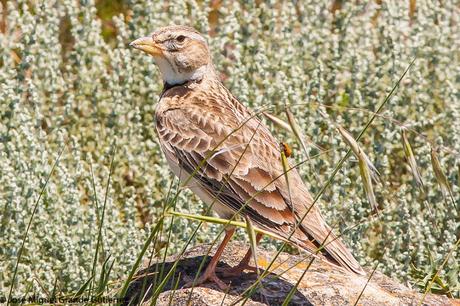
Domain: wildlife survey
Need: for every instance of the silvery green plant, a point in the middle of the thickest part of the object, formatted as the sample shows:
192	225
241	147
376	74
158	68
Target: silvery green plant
66	85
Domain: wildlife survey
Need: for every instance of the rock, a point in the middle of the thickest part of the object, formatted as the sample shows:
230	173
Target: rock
323	284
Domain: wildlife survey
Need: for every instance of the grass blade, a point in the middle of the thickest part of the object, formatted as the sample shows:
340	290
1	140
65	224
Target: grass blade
350	140
101	223
454	247
222	222
252	240
365	286
285	126
297	131
55	286
368	187
441	178
105	275
284	154
21	249
366	168
176	284
83	287
278	122
139	258
411	160
144	295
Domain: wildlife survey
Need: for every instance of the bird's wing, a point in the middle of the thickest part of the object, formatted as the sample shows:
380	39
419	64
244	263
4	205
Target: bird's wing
237	160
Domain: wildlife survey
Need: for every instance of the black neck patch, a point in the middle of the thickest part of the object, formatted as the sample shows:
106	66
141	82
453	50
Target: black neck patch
167	86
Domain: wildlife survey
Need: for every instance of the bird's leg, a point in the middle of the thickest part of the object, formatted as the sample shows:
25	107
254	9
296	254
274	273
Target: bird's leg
210	272
243	265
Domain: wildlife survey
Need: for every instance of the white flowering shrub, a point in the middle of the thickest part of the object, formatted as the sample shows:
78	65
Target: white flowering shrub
69	83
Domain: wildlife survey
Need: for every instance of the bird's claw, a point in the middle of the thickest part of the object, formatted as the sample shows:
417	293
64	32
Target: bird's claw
236	270
207	276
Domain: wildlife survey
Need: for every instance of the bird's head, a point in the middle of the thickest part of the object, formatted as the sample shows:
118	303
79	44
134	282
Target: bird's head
180	52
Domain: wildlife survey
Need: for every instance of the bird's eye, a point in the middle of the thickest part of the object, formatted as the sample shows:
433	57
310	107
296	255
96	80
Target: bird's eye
180	38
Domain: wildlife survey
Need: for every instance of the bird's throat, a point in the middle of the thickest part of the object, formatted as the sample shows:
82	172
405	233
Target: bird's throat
173	75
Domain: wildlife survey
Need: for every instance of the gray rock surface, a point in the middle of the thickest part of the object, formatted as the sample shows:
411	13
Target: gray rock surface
323	284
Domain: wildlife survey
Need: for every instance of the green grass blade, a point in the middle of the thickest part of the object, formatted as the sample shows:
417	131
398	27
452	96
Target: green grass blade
410	157
101	223
252	240
454	247
168	205
366	168
285	165
285	126
294	288
144	295
105	275
297	131
367	180
124	289
24	239
55	286
222	222
96	203
83	287
365	285
174	289
441	178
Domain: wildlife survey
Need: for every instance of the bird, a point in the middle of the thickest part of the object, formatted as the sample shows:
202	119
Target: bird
228	156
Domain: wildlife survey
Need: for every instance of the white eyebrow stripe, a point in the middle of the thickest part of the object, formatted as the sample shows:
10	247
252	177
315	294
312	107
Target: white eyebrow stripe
196	36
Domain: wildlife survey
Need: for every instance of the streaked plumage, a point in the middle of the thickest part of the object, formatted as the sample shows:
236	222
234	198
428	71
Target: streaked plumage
198	118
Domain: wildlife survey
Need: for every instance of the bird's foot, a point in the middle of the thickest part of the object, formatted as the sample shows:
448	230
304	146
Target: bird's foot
236	270
205	277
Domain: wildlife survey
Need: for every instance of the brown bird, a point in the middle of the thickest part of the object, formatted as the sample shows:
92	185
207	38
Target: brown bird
206	132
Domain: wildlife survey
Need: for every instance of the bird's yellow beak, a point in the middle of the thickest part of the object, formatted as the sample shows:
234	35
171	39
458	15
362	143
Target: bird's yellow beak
148	45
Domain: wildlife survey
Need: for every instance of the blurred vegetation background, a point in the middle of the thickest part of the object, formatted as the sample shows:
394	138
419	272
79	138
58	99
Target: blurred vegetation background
69	83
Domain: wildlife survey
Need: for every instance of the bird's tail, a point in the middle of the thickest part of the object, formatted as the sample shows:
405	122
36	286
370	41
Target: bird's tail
331	246
340	253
